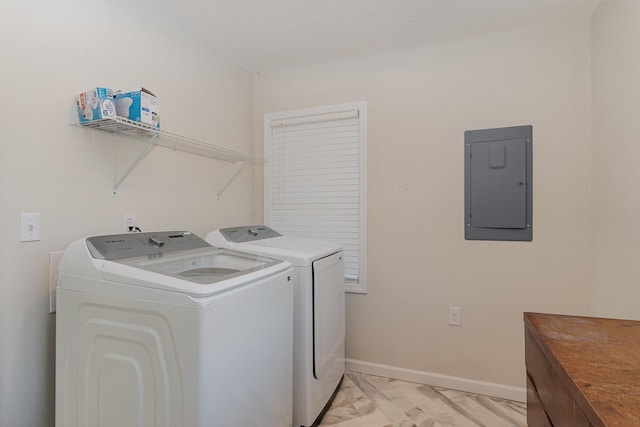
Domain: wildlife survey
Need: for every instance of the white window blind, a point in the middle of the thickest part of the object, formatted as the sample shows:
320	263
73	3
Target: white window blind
315	180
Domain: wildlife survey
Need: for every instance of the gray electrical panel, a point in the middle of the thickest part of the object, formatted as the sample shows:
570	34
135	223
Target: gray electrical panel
498	184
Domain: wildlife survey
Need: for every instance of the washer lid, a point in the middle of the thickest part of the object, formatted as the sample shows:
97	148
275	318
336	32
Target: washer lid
193	273
174	261
202	266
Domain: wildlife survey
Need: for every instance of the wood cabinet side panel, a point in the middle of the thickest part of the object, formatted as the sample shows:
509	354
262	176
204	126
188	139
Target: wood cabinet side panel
554	396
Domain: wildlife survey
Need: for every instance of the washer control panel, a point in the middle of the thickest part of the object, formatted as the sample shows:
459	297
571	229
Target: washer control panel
248	233
130	245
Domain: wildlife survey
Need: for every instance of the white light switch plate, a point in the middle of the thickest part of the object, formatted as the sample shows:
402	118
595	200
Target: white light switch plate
29	227
455	316
54	260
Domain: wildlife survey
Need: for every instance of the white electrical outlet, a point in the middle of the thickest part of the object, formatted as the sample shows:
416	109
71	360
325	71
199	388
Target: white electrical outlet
54	260
129	222
455	316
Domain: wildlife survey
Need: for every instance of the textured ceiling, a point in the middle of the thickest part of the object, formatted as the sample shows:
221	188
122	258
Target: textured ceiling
264	36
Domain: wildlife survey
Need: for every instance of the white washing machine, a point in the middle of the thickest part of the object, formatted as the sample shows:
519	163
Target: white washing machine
319	311
163	330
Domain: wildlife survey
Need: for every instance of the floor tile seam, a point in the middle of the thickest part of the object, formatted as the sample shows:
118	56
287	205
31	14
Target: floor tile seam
386	407
459	409
494	408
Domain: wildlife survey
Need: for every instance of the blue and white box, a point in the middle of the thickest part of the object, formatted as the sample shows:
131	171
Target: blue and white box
96	104
139	105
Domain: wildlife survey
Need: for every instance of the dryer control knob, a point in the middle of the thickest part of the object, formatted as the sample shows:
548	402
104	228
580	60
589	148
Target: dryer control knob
253	232
156	241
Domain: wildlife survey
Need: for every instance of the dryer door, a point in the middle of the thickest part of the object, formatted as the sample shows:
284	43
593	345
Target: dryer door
328	316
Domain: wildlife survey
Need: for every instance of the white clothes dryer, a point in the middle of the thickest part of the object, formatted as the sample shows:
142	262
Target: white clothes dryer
319	311
164	330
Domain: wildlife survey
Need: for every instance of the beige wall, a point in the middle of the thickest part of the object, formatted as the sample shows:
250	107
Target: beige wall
419	105
616	159
50	51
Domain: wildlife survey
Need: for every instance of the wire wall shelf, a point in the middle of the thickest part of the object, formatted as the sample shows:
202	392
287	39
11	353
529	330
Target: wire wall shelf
157	137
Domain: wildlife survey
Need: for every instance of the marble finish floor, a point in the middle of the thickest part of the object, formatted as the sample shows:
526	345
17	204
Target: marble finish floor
370	401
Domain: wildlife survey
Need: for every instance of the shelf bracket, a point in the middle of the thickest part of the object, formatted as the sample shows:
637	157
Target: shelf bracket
244	164
148	145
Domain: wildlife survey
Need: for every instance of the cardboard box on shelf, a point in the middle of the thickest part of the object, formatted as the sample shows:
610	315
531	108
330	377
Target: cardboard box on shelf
96	104
139	105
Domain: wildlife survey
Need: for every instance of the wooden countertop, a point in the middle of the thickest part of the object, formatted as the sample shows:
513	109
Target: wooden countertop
598	360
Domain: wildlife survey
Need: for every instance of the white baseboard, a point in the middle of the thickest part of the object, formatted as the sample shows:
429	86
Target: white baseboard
456	383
